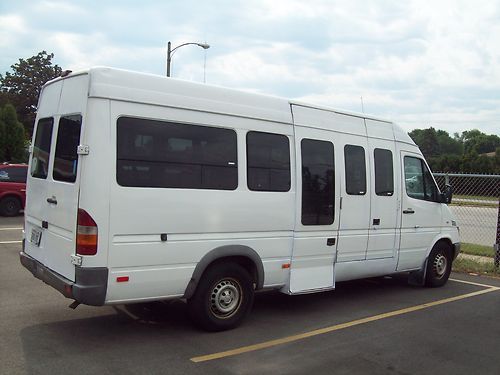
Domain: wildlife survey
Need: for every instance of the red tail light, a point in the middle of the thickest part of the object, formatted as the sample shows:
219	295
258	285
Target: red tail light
86	234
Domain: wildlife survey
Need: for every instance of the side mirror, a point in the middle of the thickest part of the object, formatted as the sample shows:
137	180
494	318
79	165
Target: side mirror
447	194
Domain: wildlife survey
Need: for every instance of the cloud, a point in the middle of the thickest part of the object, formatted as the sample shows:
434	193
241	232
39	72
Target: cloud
420	62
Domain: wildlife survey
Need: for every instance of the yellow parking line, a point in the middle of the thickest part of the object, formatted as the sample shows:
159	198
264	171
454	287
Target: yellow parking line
337	327
473	283
19	228
7	242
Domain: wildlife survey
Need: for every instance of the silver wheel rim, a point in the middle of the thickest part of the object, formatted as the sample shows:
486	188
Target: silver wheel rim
440	265
225	298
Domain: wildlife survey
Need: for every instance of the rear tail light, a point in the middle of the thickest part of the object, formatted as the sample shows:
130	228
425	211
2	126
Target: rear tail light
86	234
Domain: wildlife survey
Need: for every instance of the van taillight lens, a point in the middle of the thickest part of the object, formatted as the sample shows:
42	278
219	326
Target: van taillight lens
86	234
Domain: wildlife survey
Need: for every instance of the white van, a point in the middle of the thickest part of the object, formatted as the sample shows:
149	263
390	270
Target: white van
146	188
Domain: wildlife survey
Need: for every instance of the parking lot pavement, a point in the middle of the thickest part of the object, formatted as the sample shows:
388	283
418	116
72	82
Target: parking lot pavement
374	326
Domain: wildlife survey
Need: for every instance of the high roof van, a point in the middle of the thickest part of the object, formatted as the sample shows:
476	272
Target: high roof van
145	188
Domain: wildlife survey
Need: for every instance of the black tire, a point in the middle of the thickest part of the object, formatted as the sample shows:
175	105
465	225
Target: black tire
10	206
438	265
223	298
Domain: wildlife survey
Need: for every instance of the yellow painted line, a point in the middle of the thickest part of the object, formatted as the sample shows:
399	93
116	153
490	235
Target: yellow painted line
7	242
17	228
337	327
473	283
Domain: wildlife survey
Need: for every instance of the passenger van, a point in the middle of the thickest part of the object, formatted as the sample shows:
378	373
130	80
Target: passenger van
144	188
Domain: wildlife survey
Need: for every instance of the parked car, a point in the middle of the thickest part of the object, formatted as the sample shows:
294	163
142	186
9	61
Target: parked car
12	188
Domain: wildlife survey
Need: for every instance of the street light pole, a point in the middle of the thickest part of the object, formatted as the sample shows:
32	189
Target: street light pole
171	51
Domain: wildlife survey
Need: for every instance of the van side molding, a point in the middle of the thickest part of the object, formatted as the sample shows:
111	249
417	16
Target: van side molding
223	252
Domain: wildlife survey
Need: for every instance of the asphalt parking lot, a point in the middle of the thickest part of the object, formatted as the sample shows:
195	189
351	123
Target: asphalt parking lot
375	326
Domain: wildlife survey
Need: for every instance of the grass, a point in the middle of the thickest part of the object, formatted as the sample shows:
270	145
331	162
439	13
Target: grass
471	266
473	249
476	197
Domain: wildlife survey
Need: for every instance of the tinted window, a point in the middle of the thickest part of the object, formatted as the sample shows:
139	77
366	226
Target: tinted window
317	182
418	180
13	174
66	157
268	162
384	172
355	170
41	148
163	154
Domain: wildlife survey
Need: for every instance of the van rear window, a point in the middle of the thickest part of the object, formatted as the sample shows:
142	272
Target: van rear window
68	139
162	154
41	148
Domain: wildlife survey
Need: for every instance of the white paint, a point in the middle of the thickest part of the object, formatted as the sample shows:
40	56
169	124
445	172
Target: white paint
130	220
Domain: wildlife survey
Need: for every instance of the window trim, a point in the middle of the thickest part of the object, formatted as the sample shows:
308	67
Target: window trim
423	166
174	122
375	172
332	217
49	152
364	170
289	161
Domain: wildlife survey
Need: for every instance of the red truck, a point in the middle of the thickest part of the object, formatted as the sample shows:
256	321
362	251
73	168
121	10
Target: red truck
12	188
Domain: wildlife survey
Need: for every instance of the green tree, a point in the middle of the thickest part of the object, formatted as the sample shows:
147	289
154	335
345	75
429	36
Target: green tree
427	140
478	142
12	135
22	86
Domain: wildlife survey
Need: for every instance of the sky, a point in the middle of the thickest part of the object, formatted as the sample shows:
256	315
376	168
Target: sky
418	63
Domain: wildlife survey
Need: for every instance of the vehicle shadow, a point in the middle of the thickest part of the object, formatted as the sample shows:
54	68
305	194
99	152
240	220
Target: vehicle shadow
143	338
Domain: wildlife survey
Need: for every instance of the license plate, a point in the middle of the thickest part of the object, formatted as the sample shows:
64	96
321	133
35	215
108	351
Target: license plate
36	236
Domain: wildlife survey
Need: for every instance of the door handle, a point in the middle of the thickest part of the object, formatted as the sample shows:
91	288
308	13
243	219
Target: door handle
52	200
330	242
409	211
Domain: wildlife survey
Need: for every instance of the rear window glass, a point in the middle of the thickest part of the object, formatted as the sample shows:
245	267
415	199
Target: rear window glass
155	153
41	148
66	157
13	174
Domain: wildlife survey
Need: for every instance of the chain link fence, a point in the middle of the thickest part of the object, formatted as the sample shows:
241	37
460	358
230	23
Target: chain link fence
475	203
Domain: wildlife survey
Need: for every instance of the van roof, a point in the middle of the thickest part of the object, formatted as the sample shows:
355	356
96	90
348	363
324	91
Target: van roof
139	87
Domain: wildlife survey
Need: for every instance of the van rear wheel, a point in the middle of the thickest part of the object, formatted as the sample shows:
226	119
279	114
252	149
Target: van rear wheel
223	298
438	265
9	206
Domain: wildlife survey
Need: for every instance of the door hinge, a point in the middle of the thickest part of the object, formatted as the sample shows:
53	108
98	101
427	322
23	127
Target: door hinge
30	148
82	150
76	260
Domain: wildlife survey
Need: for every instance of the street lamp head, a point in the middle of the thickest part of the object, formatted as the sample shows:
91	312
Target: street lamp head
203	45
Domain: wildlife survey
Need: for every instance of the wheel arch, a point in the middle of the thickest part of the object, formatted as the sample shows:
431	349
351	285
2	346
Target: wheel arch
240	254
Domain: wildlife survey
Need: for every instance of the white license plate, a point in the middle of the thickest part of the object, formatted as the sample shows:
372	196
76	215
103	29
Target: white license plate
36	236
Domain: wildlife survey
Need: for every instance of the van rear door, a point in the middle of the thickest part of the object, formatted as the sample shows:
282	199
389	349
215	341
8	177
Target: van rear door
53	178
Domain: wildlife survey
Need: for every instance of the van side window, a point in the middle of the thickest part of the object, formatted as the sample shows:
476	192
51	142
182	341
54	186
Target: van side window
162	154
418	180
66	157
355	170
384	172
41	148
318	188
268	162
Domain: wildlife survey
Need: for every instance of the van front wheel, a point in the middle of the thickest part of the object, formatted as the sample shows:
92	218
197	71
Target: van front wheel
223	298
438	266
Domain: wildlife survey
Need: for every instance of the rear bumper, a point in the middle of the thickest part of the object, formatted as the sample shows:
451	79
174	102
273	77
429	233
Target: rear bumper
90	284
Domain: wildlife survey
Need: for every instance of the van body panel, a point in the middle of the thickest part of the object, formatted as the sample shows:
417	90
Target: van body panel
420	222
383	236
308	232
58	229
